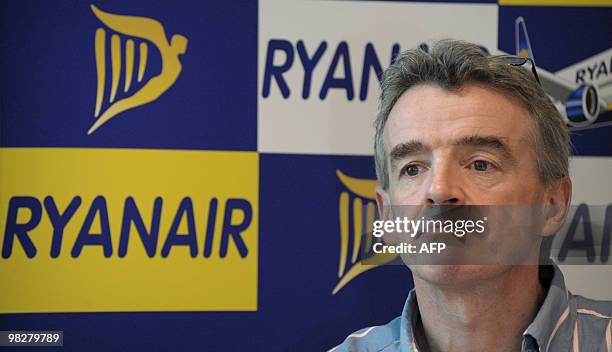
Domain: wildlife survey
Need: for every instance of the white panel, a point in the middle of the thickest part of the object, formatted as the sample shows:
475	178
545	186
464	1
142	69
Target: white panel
592	181
336	125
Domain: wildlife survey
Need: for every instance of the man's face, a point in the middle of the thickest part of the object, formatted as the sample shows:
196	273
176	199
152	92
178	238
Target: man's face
473	146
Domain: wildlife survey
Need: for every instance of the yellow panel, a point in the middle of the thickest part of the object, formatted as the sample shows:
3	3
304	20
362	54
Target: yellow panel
557	2
92	282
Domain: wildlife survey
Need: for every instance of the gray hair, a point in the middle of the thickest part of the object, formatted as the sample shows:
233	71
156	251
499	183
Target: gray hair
453	63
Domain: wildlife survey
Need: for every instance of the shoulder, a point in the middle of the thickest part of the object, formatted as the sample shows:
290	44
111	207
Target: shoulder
593	318
382	338
592	308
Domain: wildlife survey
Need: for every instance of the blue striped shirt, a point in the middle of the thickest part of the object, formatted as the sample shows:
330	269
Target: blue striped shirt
565	322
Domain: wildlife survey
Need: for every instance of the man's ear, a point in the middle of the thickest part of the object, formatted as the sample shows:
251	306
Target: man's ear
382	201
559	196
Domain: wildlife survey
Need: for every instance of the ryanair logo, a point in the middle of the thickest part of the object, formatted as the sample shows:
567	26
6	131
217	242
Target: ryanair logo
145	31
357	211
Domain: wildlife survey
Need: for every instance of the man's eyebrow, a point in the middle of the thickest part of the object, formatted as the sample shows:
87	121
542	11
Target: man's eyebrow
488	142
404	150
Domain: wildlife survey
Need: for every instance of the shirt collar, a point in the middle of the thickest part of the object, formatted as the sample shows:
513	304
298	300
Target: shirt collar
554	310
410	314
547	323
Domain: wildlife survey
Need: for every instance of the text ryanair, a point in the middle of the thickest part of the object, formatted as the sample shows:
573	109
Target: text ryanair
19	231
281	55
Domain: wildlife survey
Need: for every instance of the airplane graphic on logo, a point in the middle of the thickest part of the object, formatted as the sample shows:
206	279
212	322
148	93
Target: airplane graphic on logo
581	92
145	30
357	211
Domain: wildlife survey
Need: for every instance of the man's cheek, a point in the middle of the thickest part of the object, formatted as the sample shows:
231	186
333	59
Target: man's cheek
495	192
406	196
520	193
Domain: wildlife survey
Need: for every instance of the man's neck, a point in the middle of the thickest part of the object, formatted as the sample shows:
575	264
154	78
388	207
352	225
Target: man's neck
489	316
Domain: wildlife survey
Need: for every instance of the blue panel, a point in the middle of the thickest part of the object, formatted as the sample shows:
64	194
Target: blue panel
48	70
559	36
595	141
299	236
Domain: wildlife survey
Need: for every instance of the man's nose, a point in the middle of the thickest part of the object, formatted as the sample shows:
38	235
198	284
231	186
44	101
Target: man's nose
445	186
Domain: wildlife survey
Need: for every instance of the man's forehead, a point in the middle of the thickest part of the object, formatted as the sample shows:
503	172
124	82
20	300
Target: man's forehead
435	116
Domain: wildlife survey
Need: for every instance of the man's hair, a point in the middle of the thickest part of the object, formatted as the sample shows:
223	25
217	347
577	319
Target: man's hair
451	64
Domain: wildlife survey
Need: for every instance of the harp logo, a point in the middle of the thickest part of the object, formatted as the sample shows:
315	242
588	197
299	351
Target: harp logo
144	32
356	212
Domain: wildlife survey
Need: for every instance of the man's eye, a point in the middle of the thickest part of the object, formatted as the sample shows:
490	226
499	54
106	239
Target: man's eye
412	170
482	165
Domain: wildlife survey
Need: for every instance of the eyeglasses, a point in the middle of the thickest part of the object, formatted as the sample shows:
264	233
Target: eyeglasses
520	61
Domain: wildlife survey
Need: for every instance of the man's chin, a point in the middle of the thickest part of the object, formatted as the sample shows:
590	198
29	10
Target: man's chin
455	275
